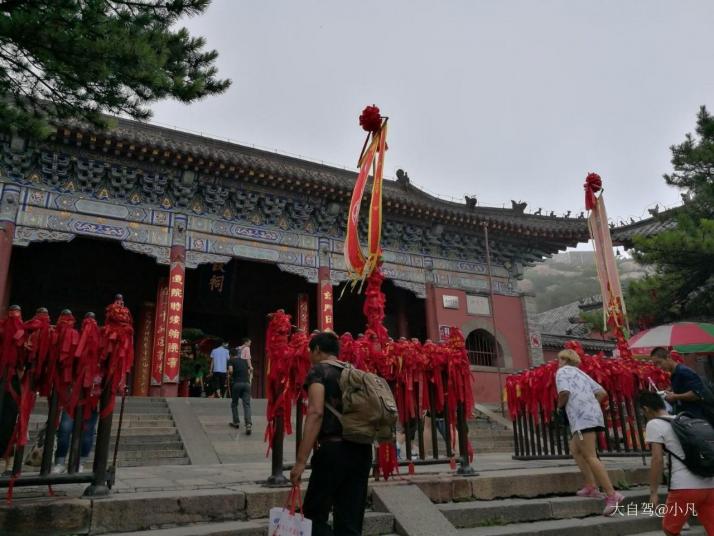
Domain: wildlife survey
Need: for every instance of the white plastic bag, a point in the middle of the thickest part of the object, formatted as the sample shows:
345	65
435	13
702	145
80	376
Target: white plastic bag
285	522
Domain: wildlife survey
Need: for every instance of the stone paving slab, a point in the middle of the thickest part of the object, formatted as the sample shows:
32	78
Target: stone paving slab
591	526
504	511
414	514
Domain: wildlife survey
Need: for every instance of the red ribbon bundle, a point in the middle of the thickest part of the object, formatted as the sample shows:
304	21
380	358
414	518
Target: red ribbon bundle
370	119
118	345
533	390
593	184
279	355
409	367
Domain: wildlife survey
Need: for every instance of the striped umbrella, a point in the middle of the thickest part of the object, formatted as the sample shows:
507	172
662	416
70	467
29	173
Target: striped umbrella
685	337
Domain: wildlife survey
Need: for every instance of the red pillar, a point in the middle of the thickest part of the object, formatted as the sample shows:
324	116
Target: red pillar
432	325
174	321
325	312
9	203
144	348
159	346
303	313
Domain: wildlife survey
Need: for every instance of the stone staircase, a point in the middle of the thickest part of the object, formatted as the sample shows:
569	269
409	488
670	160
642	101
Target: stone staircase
555	515
488	435
148	436
536	502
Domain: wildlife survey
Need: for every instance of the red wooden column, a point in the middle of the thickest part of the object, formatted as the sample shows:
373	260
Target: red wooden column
159	346
144	349
174	321
325	311
432	324
9	204
303	313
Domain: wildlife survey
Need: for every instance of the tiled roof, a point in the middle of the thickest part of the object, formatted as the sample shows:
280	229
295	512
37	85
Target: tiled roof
648	227
557	342
564	320
211	156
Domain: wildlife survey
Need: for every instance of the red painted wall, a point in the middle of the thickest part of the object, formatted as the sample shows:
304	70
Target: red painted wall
510	323
510	326
485	386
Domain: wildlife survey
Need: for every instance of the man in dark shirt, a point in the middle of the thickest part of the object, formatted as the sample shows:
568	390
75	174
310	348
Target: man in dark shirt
340	469
687	386
240	370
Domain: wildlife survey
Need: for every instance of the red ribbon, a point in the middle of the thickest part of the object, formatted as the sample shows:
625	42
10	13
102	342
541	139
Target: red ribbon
593	184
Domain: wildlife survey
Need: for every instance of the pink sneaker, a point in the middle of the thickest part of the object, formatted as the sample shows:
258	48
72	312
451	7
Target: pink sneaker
611	503
590	491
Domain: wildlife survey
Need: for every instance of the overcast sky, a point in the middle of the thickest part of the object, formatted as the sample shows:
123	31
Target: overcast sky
501	99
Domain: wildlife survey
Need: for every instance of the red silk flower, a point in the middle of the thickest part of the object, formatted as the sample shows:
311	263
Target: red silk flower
593	184
370	120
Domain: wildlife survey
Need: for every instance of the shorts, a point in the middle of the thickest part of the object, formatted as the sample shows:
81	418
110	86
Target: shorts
595	429
682	503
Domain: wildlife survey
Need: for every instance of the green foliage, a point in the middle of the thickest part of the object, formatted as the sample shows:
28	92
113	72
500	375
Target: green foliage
77	59
683	283
595	321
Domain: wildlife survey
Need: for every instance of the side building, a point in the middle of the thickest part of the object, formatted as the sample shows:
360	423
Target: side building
201	233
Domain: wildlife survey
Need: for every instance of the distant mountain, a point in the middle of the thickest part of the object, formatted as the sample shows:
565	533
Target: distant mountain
568	277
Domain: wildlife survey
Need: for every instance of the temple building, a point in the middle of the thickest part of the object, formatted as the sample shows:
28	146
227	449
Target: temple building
201	233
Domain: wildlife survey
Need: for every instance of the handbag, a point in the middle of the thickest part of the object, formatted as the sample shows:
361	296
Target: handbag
285	522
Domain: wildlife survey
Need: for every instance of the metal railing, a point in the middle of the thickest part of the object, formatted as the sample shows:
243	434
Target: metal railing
538	438
101	477
414	436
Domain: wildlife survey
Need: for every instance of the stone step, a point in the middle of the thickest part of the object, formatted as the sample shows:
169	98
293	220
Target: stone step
153	462
590	526
507	511
375	524
693	531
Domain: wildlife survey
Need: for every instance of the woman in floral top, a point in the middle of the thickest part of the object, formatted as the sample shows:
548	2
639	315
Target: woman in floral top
581	397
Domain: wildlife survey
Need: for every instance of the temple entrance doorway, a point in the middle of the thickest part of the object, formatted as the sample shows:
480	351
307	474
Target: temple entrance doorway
82	275
405	314
231	302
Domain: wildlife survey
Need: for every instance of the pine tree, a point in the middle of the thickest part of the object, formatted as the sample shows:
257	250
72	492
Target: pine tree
78	59
683	283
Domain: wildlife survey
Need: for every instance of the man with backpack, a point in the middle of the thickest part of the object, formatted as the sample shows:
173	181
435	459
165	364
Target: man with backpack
341	436
689	444
689	392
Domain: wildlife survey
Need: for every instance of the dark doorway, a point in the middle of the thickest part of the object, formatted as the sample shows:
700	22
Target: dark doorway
232	301
399	302
82	275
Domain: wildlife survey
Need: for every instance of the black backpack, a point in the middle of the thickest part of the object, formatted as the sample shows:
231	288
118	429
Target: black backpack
707	400
697	439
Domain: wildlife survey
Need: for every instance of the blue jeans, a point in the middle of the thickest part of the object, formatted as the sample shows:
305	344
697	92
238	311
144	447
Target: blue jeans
64	434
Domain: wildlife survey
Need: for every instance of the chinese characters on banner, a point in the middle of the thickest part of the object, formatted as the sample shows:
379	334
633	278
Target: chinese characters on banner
157	358
303	313
174	323
145	346
326	313
217	278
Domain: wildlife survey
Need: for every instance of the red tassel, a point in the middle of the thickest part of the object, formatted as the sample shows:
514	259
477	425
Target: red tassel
452	463
386	460
50	491
10	487
412	469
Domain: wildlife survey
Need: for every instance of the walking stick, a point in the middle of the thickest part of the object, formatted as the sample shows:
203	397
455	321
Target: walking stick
116	444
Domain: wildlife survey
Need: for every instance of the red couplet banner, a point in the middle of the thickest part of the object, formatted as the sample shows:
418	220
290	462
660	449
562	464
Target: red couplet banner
303	316
157	356
326	313
174	323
